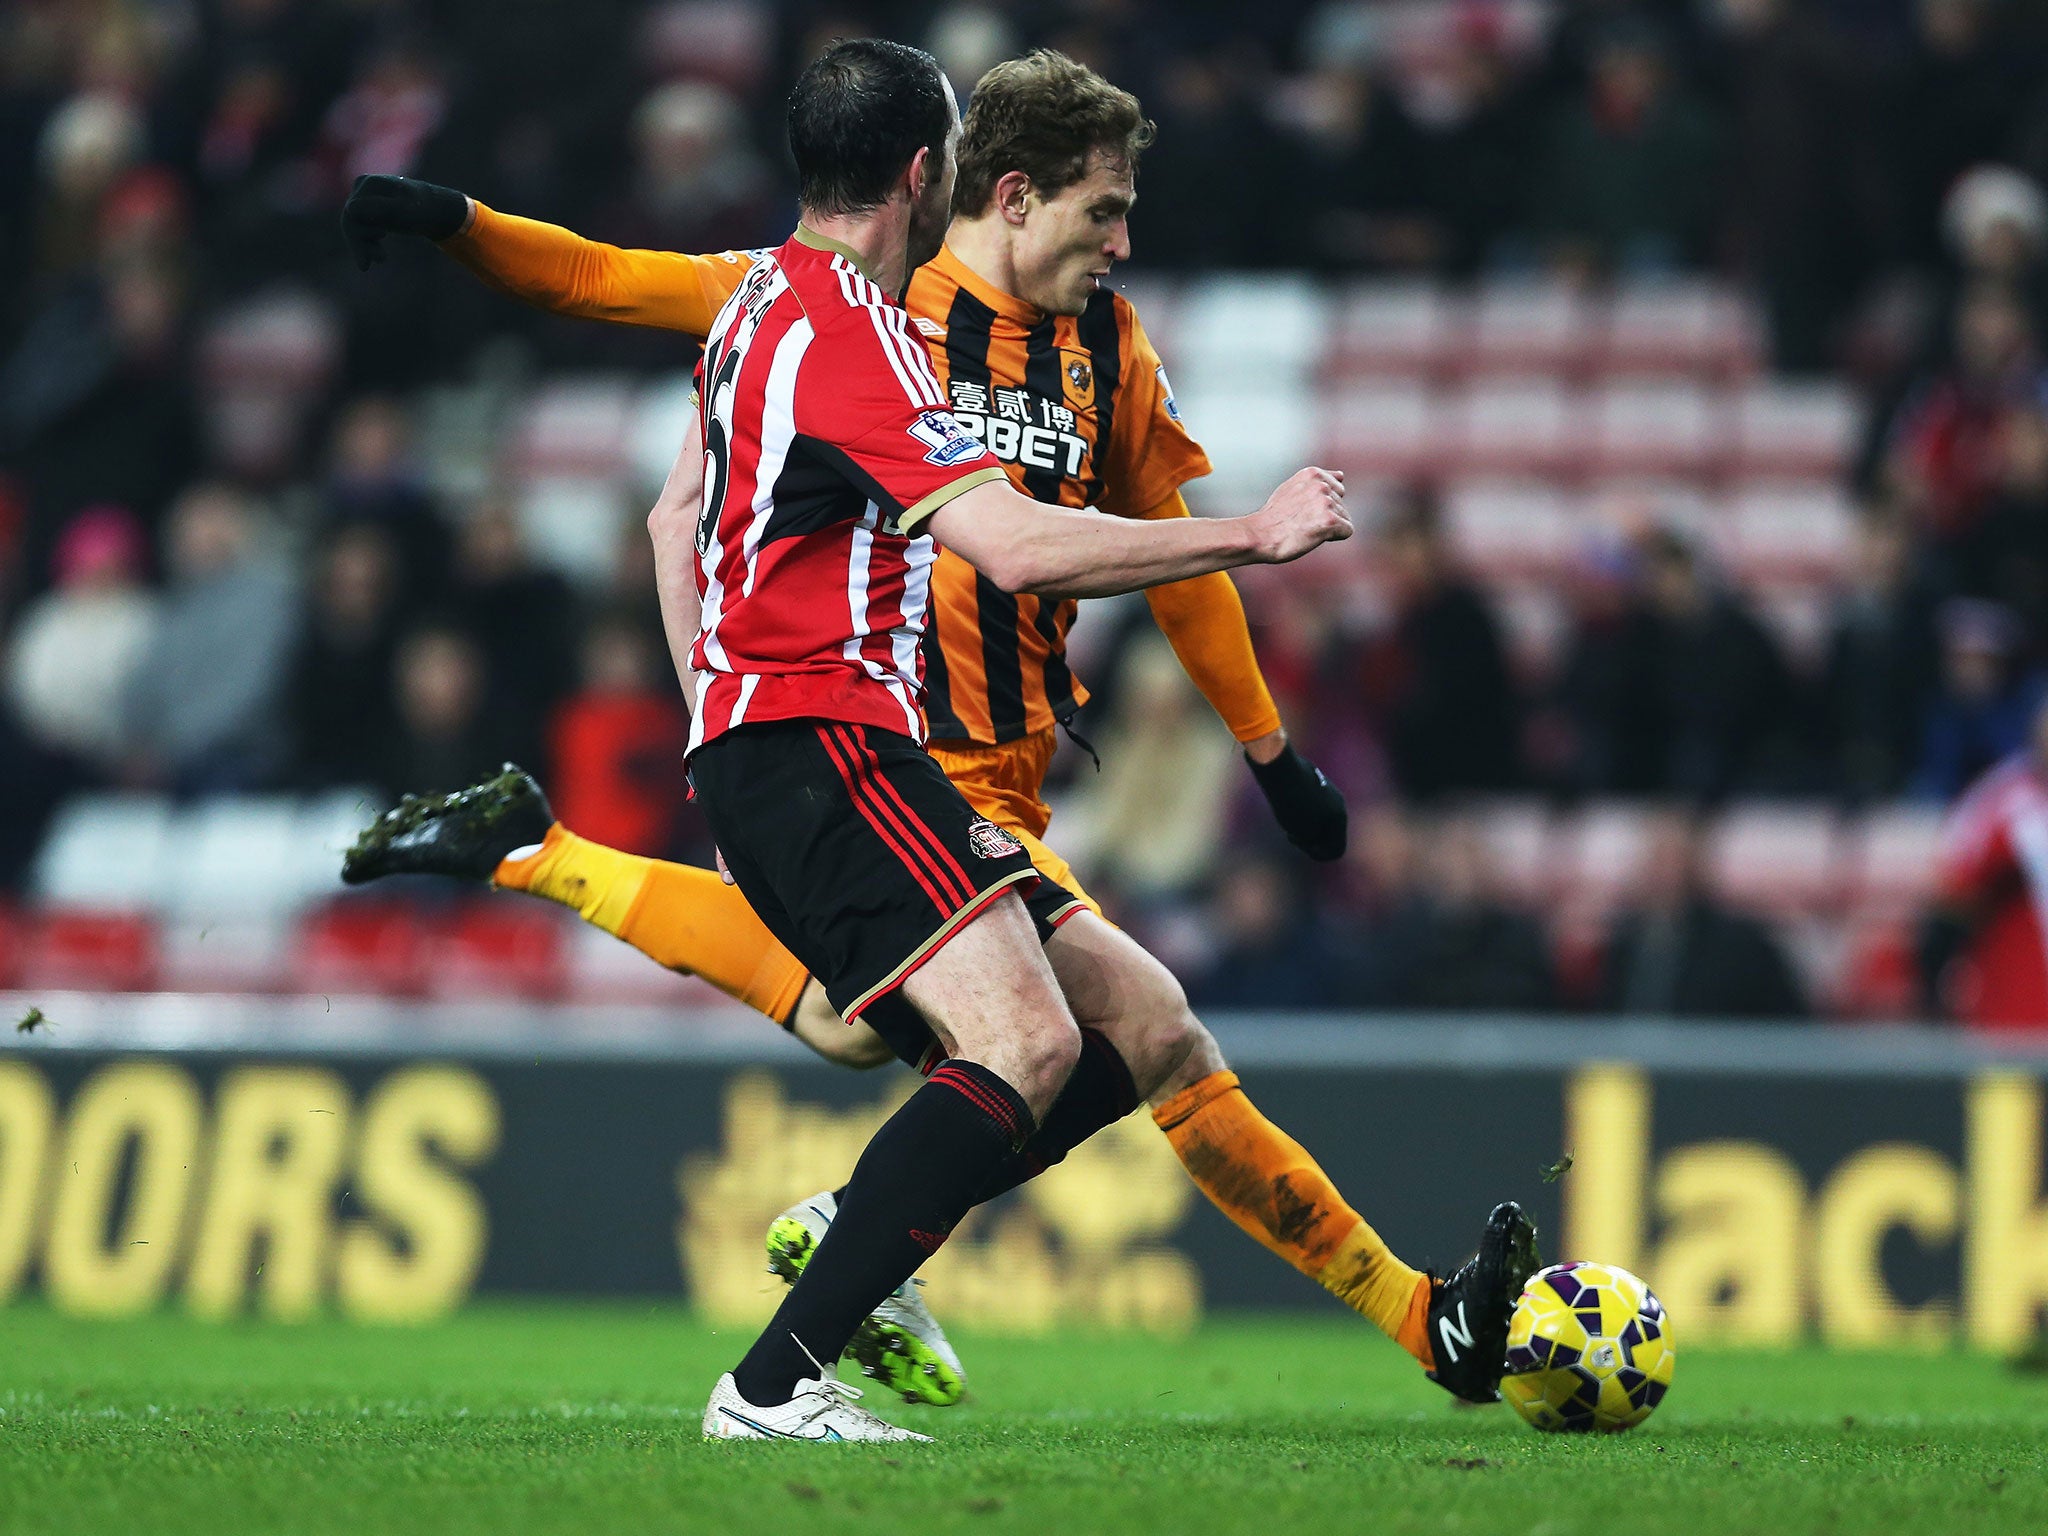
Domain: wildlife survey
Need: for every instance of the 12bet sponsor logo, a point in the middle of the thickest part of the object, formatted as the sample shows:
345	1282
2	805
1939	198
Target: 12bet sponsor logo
1020	427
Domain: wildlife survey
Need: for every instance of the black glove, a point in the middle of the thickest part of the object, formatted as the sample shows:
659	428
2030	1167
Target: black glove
398	205
1307	805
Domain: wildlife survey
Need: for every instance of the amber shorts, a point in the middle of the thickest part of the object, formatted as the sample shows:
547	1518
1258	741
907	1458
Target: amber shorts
1006	784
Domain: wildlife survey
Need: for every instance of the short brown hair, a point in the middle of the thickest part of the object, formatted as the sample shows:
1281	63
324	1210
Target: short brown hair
1044	115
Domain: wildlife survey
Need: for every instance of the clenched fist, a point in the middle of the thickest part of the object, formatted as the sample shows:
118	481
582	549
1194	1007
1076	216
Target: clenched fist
1307	510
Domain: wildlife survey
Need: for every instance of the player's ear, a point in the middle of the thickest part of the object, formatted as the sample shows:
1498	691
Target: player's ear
918	175
1013	196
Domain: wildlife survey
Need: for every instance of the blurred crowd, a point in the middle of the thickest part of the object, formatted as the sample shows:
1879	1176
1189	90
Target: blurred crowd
230	562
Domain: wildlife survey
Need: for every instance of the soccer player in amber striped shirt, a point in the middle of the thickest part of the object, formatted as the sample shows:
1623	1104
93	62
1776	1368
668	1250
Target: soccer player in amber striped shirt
1056	375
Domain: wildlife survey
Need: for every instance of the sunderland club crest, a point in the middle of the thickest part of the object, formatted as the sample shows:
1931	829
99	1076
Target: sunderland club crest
991	841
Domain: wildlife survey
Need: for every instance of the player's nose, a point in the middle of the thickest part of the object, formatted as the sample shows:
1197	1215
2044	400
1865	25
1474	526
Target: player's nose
1118	246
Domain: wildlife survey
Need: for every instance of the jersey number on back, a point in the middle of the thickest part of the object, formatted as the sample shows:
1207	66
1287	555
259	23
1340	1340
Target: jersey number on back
717	443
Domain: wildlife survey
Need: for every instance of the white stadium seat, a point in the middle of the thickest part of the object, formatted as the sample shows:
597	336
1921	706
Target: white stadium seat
1791	428
1780	860
110	850
1401	328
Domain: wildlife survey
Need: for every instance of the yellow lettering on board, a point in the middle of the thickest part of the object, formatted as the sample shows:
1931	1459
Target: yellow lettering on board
1607	1132
1729	1265
155	1108
2005	1256
409	1193
280	1134
27	1111
1879	1188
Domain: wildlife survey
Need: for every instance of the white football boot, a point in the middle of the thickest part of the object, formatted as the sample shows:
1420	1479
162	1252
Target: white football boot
820	1410
901	1345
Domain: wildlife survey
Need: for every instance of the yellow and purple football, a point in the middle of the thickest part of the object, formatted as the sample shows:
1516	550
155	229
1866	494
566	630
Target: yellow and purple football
1589	1347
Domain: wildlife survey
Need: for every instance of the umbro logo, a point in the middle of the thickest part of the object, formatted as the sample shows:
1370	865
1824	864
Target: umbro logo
1455	1334
928	1241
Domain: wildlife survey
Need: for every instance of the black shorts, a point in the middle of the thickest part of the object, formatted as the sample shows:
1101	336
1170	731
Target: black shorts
857	852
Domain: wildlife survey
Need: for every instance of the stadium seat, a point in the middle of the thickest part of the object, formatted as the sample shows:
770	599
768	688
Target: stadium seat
1893	858
1536	624
498	949
15	938
1255	437
357	946
1599	853
1403	329
1788	428
1522	426
239	856
1504	531
1789	531
1518	326
1381	431
1783	861
1517	836
111	850
1249	329
575	525
1679	328
1798	618
574	427
238	954
1669	428
654	433
87	950
284	341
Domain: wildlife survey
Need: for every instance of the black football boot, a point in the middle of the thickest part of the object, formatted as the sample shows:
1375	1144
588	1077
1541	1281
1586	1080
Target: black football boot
466	834
1469	1312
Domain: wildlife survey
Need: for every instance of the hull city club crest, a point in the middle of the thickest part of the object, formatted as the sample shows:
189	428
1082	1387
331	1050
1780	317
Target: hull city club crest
1080	382
991	841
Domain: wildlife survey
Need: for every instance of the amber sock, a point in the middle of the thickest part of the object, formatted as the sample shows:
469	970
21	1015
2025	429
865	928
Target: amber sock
1266	1182
685	918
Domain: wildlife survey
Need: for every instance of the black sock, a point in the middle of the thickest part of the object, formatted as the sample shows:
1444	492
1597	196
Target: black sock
923	1171
1100	1092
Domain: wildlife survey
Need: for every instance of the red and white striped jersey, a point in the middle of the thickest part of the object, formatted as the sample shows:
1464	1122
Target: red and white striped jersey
827	443
1994	863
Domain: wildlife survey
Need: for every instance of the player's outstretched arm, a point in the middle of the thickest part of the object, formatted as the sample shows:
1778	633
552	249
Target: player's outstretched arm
1024	545
540	264
1203	619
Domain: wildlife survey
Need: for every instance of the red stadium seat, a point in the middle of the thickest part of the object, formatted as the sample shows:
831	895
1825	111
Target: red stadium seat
363	946
79	949
15	939
499	949
1779	860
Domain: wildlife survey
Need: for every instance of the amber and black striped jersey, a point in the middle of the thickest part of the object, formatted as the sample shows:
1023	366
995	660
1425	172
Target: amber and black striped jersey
1077	410
1079	413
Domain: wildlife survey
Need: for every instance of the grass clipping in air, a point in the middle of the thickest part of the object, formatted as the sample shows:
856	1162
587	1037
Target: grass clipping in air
565	1418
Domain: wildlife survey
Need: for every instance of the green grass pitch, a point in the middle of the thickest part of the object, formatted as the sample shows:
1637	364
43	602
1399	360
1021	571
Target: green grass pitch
572	1418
